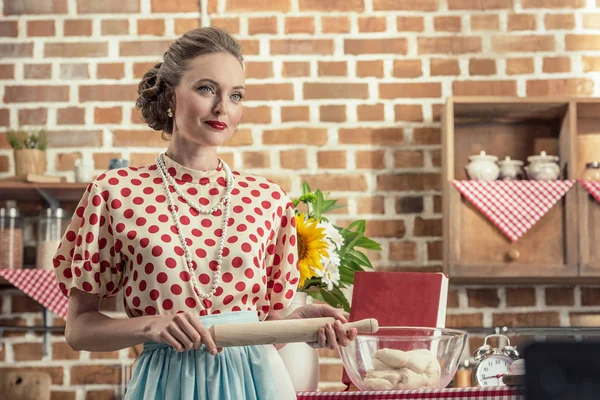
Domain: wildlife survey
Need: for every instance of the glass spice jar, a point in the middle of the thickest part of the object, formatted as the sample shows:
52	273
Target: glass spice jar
592	171
51	225
11	236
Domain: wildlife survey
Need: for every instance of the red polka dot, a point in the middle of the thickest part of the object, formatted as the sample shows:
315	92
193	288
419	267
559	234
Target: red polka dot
266	204
278	287
167	304
179	251
185	276
128	213
289	294
87	286
148	190
141	221
196	232
176	289
237	262
255	288
184	220
240	286
246	200
161	198
93	219
131	235
150	209
190	302
246	248
204	279
276	195
250	219
157	251
125	192
227	277
161	277
143	285
138	201
228	299
210	242
192	191
165	238
163	218
207	223
89	238
213	192
96	201
232	239
249	273
201	253
71	236
242	228
136	301
154	294
238	209
136	182
113	181
290	258
171	263
150	310
116	204
153	229
255	193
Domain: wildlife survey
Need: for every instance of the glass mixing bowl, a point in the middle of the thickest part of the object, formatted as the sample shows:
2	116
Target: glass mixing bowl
397	358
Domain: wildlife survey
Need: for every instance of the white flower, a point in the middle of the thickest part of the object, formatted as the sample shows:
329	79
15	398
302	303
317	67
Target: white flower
330	274
332	234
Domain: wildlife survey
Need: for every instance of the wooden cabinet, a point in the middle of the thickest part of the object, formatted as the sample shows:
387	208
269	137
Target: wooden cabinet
475	250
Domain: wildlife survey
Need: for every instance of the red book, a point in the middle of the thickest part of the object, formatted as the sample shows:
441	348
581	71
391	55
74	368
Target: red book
400	299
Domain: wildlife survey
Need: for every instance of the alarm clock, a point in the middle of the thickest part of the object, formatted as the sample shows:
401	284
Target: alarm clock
491	364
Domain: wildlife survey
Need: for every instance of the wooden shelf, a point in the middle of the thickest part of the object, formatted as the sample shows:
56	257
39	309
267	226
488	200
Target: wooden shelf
32	192
475	251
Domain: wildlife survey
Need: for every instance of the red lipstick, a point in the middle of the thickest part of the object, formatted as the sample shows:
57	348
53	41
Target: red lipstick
218	125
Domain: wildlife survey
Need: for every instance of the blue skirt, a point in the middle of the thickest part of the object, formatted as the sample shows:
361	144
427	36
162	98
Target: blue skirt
244	372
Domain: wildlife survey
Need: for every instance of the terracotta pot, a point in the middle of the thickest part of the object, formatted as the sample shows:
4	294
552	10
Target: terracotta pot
29	161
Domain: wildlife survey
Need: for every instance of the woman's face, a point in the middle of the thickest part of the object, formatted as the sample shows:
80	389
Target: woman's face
208	100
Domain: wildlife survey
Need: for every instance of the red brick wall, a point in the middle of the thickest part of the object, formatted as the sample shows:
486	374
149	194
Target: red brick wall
346	94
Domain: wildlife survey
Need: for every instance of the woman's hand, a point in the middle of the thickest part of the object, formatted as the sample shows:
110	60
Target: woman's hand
332	335
183	331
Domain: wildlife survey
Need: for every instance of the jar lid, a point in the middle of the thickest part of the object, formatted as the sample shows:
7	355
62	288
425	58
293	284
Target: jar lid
483	156
53	213
542	157
509	161
594	164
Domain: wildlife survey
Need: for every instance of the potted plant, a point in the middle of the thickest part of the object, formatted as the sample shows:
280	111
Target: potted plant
29	151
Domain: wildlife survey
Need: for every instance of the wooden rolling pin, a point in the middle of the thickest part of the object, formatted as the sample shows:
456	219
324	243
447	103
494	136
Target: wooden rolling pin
280	331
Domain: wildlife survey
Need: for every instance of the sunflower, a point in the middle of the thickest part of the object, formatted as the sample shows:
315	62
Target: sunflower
312	246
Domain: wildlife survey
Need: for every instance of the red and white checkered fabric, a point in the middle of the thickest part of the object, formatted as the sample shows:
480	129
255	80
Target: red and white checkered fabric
593	188
514	206
40	285
484	393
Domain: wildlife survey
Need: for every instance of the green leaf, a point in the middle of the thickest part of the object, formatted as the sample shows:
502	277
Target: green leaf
318	204
305	188
340	296
360	226
367	243
330	299
360	258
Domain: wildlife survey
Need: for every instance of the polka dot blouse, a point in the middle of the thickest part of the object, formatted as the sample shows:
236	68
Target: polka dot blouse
122	237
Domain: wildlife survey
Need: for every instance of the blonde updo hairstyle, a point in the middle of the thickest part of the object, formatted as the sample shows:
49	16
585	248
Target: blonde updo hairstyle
158	85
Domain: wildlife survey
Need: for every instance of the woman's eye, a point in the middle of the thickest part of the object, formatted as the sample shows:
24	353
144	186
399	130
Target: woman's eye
237	97
205	89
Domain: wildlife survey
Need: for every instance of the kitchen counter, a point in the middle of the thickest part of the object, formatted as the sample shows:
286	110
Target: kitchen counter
487	393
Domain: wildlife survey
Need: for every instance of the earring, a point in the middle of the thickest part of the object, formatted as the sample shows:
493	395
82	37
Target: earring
170	113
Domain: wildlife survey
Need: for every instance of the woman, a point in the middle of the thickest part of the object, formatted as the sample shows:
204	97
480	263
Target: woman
190	242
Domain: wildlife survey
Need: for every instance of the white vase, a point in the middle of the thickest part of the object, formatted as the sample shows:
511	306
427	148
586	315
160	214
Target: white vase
301	360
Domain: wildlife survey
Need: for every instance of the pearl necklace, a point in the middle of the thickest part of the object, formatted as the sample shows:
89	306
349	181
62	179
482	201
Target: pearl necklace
225	201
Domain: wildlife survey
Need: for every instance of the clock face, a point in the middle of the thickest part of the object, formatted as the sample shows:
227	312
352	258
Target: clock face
491	370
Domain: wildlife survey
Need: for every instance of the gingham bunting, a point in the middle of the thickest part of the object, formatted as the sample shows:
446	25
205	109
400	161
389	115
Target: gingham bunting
593	188
40	285
483	393
514	206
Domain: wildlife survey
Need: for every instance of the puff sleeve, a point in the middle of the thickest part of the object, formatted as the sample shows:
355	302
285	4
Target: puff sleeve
88	257
282	262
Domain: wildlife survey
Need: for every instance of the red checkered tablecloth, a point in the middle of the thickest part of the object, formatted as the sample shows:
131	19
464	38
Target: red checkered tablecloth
40	285
484	393
513	206
593	188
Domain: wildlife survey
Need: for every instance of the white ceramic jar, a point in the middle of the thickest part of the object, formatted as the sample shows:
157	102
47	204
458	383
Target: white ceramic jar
483	167
543	167
510	170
